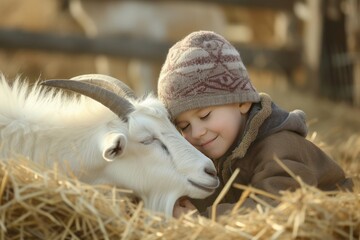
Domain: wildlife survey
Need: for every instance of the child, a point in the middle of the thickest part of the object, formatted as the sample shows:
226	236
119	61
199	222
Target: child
210	98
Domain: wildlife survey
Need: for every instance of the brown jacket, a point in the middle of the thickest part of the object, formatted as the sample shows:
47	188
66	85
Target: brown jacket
271	132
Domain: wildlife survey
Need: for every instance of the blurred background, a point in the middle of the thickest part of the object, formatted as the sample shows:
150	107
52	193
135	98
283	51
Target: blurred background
304	53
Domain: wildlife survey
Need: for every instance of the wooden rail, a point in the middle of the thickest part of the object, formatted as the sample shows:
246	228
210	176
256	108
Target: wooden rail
270	4
278	59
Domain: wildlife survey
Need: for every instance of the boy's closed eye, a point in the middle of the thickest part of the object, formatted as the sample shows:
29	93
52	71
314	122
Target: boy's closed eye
205	115
183	127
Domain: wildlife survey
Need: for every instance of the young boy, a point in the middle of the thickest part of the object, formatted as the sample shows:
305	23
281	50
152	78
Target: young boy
210	98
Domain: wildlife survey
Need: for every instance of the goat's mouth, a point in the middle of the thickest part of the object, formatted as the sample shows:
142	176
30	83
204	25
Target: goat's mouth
205	188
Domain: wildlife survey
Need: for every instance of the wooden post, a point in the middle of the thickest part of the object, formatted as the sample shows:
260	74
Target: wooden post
357	81
312	42
336	67
353	20
330	69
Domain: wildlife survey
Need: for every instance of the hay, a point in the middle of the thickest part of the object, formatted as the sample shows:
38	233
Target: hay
42	204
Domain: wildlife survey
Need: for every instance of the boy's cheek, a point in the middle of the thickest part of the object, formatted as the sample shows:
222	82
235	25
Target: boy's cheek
188	138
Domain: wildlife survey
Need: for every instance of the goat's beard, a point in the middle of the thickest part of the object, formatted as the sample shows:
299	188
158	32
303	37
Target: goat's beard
162	203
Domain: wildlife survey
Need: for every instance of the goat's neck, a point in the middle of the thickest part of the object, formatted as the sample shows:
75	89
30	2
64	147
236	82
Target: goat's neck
51	143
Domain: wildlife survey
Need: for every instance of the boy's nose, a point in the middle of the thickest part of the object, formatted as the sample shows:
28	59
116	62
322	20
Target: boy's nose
198	131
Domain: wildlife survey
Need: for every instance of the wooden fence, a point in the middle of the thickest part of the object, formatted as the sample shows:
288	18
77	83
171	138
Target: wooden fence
334	75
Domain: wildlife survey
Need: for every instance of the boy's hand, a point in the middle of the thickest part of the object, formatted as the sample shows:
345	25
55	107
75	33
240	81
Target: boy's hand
182	206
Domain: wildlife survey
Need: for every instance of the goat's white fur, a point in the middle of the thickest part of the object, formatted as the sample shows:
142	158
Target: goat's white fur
155	161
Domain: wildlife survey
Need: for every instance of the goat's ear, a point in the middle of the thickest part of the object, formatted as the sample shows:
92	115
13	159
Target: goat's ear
114	146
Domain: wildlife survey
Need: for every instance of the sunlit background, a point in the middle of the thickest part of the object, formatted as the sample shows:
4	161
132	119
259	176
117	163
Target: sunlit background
304	53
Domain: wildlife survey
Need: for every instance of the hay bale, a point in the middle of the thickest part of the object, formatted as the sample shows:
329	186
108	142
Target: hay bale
42	204
37	203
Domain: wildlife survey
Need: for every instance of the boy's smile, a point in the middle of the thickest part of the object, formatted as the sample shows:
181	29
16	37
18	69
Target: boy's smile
207	143
212	130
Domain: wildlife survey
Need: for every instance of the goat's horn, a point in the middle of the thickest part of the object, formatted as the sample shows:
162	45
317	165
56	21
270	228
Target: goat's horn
117	104
107	82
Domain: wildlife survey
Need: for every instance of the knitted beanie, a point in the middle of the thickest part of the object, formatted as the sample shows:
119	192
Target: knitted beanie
203	70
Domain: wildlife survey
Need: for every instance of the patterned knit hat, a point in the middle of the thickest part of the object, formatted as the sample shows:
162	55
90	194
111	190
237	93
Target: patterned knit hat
203	70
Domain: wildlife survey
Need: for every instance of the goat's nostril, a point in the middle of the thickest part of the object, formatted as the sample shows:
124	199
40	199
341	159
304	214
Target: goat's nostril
210	171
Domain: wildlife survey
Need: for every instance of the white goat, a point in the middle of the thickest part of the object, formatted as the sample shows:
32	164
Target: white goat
124	141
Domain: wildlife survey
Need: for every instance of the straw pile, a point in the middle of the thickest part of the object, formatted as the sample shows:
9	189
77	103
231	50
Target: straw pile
42	204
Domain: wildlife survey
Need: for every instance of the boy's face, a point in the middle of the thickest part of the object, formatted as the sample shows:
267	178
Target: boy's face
213	130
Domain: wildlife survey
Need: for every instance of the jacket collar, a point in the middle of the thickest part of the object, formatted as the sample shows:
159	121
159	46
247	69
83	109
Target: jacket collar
256	118
265	118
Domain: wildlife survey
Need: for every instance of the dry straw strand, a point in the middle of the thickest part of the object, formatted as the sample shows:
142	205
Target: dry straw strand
222	193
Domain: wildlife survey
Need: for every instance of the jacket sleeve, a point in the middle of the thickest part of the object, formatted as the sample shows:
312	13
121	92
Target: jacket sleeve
303	158
272	178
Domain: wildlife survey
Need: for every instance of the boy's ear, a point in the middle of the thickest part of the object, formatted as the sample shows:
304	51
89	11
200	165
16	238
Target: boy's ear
245	107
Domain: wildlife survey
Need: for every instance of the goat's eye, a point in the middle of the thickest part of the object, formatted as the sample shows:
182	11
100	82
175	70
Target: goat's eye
148	141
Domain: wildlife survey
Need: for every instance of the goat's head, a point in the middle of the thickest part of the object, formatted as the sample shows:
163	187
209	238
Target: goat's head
141	149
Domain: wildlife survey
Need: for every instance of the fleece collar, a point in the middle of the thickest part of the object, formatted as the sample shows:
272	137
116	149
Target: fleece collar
264	119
